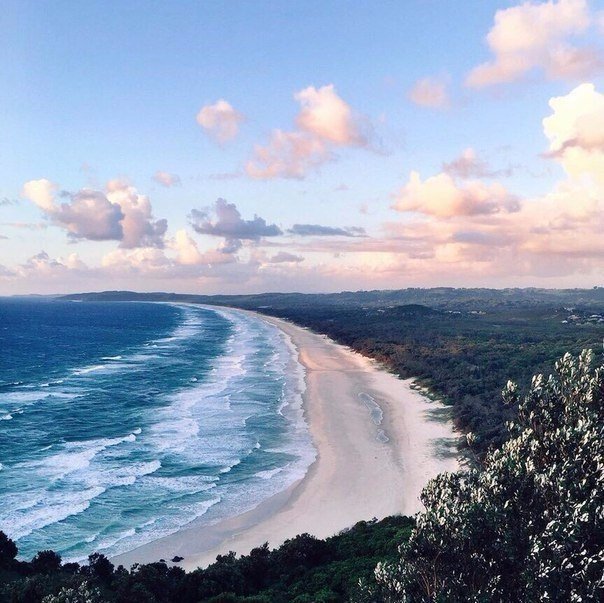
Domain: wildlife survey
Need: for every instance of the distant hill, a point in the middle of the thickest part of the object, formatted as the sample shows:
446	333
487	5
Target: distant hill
440	297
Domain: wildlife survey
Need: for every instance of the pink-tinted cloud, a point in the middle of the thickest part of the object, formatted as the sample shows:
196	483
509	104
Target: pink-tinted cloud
538	36
324	123
443	197
42	266
430	92
119	213
166	179
288	155
576	132
220	121
325	115
140	228
42	192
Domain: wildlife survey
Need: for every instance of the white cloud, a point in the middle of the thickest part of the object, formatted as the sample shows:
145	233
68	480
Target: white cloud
536	36
42	266
220	121
326	116
576	132
186	248
443	197
41	192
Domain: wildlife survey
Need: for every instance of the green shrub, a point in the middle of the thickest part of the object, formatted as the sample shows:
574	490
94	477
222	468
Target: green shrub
528	525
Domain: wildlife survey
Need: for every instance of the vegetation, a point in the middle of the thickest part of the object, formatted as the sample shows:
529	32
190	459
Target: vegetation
463	357
528	525
303	570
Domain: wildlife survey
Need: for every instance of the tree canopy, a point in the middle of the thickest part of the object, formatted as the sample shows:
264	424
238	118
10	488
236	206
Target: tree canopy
527	525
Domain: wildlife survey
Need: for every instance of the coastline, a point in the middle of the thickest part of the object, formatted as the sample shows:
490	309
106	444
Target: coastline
378	442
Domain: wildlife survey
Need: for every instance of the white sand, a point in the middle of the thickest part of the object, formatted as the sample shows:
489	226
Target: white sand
356	476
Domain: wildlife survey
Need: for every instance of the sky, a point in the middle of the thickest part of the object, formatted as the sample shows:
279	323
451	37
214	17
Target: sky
241	147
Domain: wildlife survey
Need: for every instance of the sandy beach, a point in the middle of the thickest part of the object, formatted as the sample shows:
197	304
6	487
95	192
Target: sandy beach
378	442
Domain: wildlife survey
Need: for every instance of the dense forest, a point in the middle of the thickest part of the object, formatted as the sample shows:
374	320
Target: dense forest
302	570
462	344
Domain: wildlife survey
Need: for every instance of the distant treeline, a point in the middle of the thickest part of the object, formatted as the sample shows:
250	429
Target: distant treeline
302	570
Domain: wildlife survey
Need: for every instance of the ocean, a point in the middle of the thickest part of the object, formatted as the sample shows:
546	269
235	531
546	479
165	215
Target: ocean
122	422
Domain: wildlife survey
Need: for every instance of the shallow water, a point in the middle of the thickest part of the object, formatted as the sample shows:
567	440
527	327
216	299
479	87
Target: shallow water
122	422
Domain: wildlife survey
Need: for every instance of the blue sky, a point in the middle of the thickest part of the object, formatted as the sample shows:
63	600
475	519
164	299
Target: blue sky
97	91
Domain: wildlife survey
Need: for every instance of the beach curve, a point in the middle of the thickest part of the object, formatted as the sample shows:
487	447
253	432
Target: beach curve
378	442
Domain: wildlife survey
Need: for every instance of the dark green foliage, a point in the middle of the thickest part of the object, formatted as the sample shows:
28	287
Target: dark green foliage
46	562
527	525
100	567
8	551
304	569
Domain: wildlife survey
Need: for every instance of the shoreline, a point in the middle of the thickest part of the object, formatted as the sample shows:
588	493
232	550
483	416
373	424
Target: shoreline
378	442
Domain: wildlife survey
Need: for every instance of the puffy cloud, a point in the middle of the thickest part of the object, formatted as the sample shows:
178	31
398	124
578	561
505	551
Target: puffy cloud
229	224
576	132
325	115
443	197
555	235
42	266
140	229
188	253
166	179
186	248
90	215
430	92
325	122
288	155
220	121
535	35
41	192
470	165
577	121
143	259
305	230
119	213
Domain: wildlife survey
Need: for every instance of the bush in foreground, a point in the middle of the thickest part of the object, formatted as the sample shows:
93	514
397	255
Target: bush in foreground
529	524
303	570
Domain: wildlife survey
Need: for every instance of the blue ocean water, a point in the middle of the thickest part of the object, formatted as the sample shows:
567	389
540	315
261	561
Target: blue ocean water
122	422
